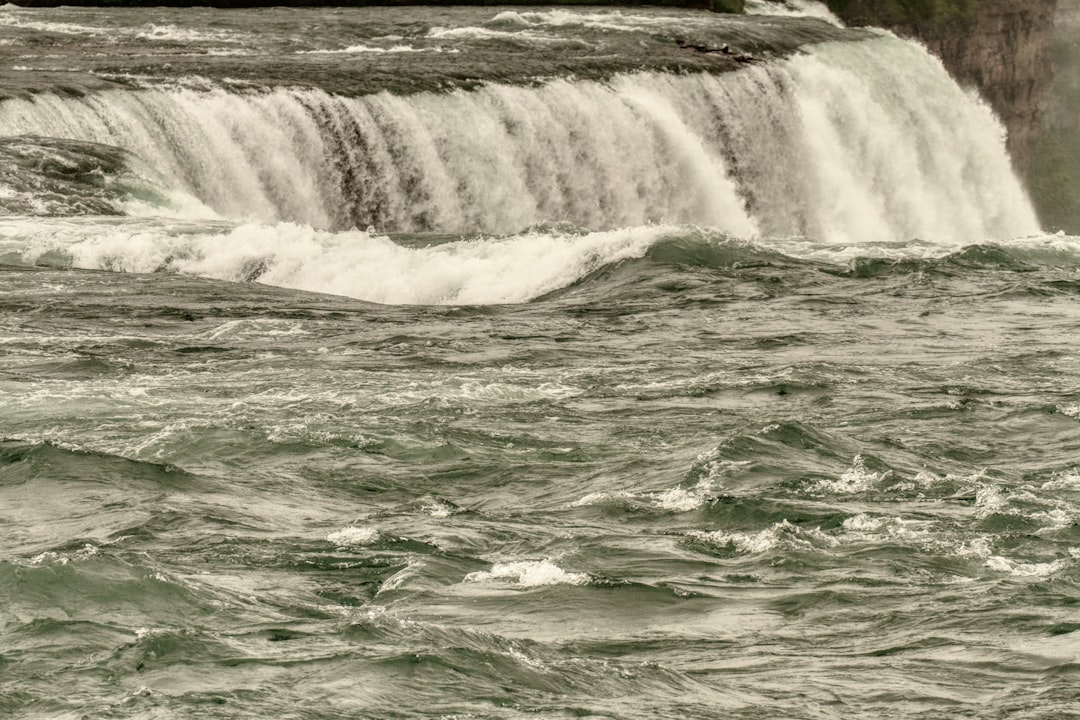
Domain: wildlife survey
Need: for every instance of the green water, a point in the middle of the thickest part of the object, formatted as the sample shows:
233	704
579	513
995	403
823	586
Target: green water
825	468
753	486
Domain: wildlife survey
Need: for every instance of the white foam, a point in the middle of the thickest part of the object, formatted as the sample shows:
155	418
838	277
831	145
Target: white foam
779	534
611	20
1057	518
151	31
990	500
862	527
1071	410
353	535
439	509
864	523
175	33
253	329
1065	481
310	428
482	33
742	542
602	498
679	499
144	633
793	8
362	49
858	478
358	264
1001	564
977	547
927	479
529	573
676	499
24	21
500	392
54	558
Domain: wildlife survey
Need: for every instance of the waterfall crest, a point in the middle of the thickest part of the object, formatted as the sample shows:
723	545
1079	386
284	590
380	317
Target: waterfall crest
848	142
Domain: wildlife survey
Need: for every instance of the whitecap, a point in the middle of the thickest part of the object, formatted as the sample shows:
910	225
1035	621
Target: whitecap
175	33
50	557
783	533
1065	481
143	633
793	8
681	499
353	535
989	500
864	526
362	49
601	498
978	547
529	573
440	509
749	543
355	263
1072	410
857	478
997	563
676	499
481	33
612	20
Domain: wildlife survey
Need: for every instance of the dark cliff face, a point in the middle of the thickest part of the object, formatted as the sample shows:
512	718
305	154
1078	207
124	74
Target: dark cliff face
1055	169
1001	47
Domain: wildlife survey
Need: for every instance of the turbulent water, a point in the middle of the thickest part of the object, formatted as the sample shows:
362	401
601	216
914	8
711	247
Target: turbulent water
506	363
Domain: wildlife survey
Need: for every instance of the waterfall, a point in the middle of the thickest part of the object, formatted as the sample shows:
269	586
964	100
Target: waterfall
850	142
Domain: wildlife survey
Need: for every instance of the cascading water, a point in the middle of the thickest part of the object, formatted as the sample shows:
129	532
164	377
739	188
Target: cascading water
851	142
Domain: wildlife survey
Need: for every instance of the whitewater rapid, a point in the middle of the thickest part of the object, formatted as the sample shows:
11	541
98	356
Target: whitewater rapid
420	270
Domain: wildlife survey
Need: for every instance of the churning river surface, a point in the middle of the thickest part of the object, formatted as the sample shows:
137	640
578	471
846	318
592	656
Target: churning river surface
524	363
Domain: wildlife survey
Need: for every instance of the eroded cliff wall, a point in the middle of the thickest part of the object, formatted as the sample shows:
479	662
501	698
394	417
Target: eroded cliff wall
1001	47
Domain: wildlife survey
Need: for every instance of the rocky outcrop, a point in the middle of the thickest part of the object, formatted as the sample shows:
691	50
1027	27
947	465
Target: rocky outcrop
1001	47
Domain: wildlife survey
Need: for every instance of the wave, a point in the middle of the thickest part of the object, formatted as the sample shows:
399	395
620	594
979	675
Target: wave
542	262
361	49
14	16
528	574
355	263
49	463
793	8
600	20
483	33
